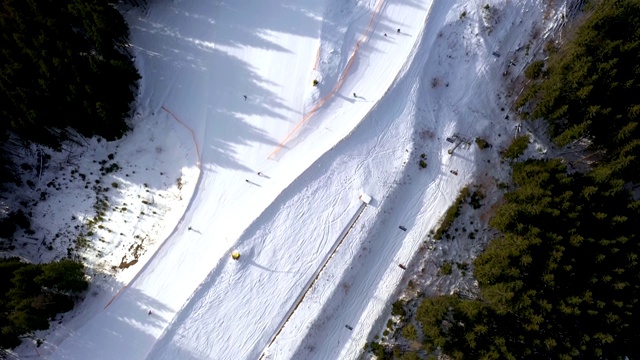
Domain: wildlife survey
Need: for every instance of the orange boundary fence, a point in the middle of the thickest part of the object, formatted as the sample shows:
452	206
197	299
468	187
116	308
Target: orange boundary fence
315	65
195	140
116	295
193	134
334	90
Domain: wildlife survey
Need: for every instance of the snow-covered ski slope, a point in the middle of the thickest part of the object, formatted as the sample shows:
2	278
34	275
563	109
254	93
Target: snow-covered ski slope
318	148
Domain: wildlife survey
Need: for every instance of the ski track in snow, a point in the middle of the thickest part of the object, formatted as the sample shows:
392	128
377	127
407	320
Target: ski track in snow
435	78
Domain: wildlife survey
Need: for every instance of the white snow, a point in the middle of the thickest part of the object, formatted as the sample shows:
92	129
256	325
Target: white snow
317	148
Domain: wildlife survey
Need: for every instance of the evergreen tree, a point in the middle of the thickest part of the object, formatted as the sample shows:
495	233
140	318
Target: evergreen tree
562	279
66	65
32	294
590	84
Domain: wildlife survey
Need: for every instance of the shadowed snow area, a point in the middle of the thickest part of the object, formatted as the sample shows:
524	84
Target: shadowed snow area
283	163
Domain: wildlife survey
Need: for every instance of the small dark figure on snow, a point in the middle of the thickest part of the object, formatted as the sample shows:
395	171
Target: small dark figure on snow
259	173
245	96
385	34
246	180
149	313
398	30
354	95
189	228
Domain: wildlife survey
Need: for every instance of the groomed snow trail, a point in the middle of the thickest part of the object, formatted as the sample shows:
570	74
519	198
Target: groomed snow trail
435	78
234	305
198	60
459	89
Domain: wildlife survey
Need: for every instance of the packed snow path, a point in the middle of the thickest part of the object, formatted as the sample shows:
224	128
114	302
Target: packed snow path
435	78
200	60
281	259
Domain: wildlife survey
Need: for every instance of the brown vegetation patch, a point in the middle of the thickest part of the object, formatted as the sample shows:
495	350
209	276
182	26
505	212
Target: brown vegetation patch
135	250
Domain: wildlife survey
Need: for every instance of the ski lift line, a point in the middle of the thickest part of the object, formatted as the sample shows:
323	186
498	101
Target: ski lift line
193	134
333	91
314	277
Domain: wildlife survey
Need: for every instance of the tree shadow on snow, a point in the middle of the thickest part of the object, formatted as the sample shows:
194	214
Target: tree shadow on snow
207	71
119	329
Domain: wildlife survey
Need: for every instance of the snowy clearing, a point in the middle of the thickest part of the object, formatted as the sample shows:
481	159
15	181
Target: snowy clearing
250	156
